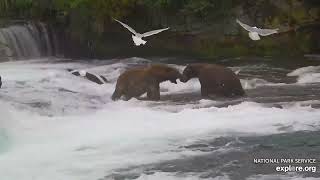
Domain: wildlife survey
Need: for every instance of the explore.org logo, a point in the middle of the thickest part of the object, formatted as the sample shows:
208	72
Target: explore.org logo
290	165
290	168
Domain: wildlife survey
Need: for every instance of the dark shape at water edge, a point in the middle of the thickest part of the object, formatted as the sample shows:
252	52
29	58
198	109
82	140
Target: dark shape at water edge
99	79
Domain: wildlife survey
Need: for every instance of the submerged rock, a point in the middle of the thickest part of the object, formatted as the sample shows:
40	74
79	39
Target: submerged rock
89	76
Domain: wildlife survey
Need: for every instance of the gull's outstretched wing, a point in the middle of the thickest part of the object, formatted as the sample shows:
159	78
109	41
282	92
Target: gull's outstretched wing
262	32
126	26
246	27
150	33
266	32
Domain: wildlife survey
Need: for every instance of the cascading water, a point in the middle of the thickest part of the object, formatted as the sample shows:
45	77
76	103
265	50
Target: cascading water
25	41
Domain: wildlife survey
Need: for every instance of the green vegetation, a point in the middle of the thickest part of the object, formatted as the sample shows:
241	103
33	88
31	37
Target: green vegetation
104	9
204	27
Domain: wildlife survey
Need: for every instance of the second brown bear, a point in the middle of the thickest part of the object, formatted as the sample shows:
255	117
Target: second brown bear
215	80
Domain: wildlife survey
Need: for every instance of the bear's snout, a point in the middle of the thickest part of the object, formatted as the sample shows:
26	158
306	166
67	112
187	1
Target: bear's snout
184	78
173	81
174	76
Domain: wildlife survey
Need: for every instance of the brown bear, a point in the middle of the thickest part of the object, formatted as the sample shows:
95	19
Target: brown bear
215	80
137	81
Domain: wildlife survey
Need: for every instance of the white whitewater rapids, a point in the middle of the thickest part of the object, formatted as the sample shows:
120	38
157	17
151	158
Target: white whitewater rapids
137	37
58	126
254	32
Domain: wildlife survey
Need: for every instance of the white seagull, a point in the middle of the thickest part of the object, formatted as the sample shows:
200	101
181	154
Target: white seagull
254	32
137	37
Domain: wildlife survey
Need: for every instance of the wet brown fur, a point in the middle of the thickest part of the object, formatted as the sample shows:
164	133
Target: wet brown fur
215	80
135	82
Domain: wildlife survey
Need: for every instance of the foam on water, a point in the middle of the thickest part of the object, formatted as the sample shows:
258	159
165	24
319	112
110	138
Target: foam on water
310	74
281	177
168	176
256	82
172	176
5	121
82	134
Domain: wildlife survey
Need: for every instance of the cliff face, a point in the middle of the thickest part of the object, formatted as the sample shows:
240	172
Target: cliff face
204	28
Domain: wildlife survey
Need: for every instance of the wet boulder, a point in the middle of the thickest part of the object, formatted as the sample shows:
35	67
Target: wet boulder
99	79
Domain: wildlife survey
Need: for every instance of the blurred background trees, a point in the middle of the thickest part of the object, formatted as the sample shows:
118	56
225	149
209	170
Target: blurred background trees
101	11
203	26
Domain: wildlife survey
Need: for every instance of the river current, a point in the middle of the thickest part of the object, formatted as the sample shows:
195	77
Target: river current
57	126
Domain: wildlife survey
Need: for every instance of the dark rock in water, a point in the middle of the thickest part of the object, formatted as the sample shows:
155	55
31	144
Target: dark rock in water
65	90
91	77
96	79
0	81
125	176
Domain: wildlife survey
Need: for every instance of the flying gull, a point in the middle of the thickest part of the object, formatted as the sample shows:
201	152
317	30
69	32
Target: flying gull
254	32
137	37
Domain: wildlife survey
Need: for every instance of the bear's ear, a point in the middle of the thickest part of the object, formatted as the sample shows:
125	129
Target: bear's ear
190	66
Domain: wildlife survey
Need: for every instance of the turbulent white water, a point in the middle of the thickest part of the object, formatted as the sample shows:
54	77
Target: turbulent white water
168	176
173	176
310	74
58	126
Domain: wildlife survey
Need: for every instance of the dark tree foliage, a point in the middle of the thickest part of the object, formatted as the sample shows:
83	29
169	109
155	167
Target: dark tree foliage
213	21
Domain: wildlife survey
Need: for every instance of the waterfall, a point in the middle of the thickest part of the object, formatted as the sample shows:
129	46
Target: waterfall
25	41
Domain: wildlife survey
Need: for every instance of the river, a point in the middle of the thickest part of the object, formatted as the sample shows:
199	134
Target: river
58	126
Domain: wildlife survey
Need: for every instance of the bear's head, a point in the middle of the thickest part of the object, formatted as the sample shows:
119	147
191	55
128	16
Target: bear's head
189	72
163	73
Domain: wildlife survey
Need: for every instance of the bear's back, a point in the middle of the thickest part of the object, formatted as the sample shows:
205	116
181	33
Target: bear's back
133	74
216	75
217	72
